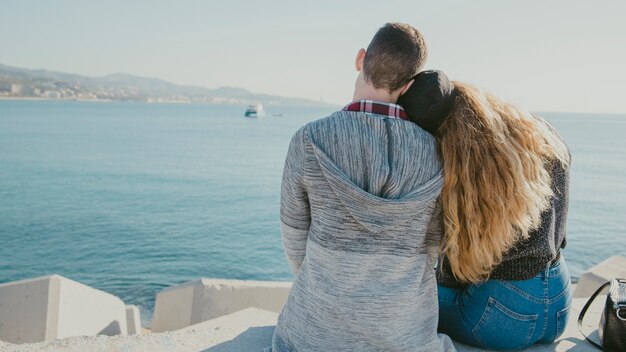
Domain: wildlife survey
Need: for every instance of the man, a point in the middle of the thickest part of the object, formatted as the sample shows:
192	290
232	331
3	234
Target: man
359	190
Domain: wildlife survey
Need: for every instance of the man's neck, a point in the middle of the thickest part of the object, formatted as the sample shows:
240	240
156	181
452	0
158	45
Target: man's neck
364	90
383	98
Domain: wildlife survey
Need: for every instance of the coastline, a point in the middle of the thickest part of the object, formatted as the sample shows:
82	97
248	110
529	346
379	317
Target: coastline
97	100
182	102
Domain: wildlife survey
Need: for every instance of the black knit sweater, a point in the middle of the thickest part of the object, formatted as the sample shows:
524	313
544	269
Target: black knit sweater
531	256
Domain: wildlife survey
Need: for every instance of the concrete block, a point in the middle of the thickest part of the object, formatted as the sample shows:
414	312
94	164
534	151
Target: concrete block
250	329
173	307
593	278
204	299
24	311
53	307
133	320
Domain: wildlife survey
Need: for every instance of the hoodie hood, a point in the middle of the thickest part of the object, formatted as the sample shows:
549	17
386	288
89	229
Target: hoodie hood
373	212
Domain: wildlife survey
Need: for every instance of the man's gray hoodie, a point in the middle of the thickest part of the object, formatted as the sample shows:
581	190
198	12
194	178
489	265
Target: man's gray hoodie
359	192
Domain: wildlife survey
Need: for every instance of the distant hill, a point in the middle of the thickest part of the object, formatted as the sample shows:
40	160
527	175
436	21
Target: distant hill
18	82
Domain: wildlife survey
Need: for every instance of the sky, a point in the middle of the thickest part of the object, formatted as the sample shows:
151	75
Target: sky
553	55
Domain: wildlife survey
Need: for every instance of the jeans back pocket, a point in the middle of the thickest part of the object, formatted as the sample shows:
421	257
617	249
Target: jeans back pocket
504	329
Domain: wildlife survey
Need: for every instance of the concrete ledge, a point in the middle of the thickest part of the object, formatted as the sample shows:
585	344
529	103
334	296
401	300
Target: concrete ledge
593	278
254	338
200	300
52	307
251	329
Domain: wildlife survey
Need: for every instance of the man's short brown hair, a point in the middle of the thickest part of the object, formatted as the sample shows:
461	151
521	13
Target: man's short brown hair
396	54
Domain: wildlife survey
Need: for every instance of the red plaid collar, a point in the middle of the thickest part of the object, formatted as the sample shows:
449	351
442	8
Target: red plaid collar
376	107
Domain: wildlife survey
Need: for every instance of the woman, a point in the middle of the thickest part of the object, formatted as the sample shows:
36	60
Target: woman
502	281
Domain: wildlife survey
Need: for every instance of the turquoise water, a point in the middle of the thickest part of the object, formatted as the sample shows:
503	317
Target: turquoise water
131	198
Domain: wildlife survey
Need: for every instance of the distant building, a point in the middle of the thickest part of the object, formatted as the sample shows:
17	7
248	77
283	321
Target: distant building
51	94
16	88
26	91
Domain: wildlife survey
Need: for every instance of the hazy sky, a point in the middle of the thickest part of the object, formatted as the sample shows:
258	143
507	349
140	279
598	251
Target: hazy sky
544	55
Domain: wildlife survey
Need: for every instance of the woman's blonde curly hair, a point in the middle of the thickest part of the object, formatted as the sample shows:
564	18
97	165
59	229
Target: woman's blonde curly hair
496	186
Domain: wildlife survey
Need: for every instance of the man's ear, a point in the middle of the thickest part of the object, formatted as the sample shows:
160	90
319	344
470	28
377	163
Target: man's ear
358	61
406	87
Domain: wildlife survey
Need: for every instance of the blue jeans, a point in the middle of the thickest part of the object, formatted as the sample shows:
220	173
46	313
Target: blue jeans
508	315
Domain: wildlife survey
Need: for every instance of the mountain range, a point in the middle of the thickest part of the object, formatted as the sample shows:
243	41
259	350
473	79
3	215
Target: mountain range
18	82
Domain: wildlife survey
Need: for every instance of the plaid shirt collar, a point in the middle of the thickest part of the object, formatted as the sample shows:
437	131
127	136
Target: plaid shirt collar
375	107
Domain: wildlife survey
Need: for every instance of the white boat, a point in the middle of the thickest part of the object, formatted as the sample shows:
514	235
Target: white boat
255	111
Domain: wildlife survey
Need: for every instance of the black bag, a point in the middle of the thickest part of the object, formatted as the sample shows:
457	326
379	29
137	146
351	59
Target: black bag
612	328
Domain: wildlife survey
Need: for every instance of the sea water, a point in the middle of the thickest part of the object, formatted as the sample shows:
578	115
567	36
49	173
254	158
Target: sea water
131	198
